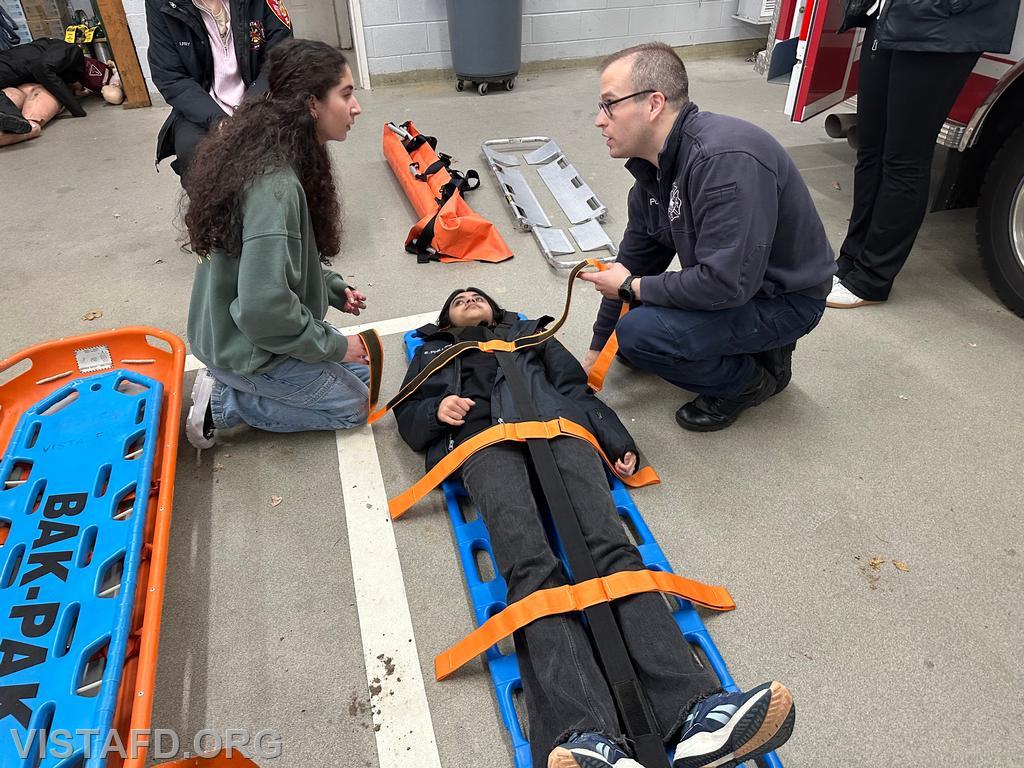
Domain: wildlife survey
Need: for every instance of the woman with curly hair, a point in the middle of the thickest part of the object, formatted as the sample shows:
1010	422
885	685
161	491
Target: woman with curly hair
263	217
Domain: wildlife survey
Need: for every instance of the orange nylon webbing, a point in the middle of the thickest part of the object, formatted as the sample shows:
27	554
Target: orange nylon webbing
595	379
518	432
576	597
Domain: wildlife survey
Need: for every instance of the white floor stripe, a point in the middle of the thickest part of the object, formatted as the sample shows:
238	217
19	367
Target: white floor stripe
401	717
383	327
395	325
402	723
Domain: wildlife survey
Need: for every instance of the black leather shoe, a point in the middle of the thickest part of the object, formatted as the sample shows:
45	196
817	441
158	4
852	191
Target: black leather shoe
709	414
779	363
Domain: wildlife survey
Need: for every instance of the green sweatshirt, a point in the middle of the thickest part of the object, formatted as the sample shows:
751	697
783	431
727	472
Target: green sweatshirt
250	313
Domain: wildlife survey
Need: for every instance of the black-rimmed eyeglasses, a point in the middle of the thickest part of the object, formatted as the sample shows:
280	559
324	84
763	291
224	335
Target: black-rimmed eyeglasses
606	106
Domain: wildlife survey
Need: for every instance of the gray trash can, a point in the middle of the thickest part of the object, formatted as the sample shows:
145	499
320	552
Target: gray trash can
486	39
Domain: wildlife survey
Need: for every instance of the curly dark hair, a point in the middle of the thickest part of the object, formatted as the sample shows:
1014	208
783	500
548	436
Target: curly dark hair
265	134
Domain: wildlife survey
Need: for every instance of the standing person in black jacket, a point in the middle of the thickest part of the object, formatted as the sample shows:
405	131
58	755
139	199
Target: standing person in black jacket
53	64
573	721
917	55
726	198
205	56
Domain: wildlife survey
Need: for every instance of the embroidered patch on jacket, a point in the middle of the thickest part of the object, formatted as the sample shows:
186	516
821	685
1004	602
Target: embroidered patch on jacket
256	35
280	11
675	205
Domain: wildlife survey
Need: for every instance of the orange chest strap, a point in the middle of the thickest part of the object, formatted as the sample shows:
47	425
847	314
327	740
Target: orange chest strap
517	432
576	597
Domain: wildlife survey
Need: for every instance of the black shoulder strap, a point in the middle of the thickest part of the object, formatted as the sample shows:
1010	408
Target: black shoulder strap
417	141
443	161
630	698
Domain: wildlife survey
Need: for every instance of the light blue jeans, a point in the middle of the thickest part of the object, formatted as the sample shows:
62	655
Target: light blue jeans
296	396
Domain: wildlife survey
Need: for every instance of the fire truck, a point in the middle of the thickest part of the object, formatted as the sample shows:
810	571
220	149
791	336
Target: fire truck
984	131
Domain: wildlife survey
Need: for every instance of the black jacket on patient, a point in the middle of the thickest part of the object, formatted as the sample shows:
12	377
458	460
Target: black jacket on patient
556	381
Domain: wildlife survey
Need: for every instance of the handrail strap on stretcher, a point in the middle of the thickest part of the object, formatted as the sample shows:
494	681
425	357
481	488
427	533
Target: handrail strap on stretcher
495	345
517	432
576	597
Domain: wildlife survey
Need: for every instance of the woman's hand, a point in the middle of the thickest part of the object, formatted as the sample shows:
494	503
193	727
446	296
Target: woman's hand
453	410
356	351
626	466
589	359
354	301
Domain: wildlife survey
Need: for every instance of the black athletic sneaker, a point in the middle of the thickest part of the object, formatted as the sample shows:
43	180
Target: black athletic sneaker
14	124
727	729
590	750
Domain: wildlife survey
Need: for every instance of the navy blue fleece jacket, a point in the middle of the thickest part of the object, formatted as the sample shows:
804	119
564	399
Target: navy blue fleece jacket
729	201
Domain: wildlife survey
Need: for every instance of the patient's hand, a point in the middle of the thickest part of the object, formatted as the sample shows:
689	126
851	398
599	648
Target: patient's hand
453	410
626	466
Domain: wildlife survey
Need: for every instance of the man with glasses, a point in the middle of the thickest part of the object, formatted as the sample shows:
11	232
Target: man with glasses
726	198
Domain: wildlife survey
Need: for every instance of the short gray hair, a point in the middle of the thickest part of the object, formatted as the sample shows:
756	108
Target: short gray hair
656	67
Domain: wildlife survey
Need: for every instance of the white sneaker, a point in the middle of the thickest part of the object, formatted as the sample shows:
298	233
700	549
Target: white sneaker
202	391
842	297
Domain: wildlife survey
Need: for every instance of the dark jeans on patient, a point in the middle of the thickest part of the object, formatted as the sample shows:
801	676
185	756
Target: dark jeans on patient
562	680
711	352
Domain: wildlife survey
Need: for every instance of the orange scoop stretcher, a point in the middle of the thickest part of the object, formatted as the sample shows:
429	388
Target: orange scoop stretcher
448	229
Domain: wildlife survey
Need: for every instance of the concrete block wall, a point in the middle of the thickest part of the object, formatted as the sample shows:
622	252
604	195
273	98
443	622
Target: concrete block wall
408	35
135	12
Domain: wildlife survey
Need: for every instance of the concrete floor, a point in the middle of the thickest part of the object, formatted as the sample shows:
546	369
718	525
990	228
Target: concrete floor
899	439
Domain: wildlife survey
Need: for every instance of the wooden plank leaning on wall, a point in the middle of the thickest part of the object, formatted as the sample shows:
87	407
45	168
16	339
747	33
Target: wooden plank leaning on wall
121	43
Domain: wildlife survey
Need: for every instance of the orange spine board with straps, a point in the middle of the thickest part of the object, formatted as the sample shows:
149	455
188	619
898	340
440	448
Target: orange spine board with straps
514	431
576	597
459	232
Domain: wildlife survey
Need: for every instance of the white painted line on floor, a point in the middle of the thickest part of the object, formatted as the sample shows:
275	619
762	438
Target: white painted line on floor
395	325
401	716
403	727
383	327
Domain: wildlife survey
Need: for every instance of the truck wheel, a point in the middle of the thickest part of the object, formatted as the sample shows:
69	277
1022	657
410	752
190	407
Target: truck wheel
1000	226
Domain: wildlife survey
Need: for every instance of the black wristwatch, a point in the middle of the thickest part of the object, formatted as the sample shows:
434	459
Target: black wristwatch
626	290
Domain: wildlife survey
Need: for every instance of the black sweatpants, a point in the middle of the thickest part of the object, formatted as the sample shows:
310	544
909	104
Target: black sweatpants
903	97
